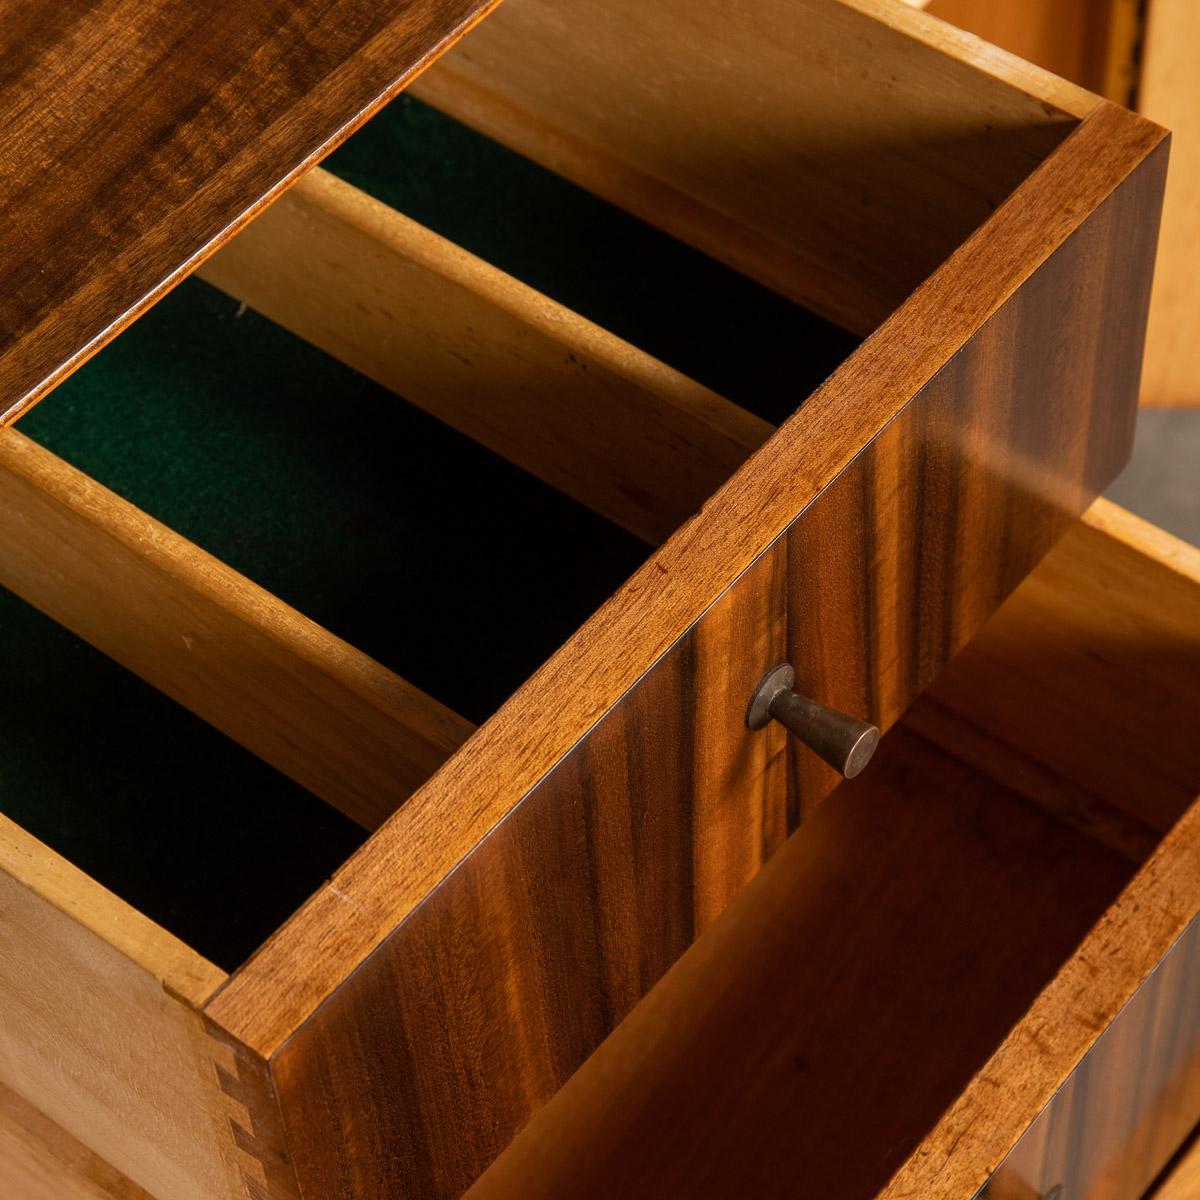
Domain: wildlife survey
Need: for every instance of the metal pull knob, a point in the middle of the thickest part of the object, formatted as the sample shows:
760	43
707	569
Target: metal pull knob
844	742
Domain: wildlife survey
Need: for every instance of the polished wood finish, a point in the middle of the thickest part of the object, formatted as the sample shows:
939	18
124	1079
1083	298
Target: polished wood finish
328	716
590	414
810	1039
513	970
1117	957
1143	1077
139	135
664	599
836	152
806	1042
41	1161
1141	54
428	1001
575	889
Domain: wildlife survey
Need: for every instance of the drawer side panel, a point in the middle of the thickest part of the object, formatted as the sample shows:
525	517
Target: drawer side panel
40	1161
100	1031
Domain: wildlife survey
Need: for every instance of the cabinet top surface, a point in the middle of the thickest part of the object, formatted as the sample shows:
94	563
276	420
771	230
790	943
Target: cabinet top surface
138	135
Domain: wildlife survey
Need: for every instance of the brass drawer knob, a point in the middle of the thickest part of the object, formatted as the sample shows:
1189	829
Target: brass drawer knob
844	742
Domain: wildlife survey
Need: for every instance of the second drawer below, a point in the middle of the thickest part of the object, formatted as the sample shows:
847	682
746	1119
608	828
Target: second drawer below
995	921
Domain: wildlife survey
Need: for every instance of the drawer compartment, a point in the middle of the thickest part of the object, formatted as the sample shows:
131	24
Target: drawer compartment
387	603
977	944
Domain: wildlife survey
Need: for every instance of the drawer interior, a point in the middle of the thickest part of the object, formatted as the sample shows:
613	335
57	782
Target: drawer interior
818	1032
413	543
741	339
410	541
144	796
439	555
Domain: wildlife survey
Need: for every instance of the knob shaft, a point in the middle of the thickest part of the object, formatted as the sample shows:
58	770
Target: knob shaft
843	741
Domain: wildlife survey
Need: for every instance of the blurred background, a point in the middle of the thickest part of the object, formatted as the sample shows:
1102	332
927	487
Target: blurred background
1142	54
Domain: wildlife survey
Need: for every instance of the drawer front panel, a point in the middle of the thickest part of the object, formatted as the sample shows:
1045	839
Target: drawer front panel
479	1005
905	556
1129	1104
558	923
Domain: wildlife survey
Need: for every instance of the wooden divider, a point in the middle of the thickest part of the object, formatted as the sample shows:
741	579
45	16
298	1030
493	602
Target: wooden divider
325	714
590	414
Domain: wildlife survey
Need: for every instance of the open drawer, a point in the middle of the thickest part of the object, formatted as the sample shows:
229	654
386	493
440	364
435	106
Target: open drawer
987	228
979	962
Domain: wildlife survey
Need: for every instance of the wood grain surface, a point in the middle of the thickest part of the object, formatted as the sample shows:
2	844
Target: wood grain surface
328	716
1106	634
1117	957
837	152
1113	619
41	1161
1092	42
552	929
139	134
590	414
1127	1107
1140	55
906	524
1114	157
101	1029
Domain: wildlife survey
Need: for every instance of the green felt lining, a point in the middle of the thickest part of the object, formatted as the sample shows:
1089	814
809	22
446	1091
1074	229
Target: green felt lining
446	563
739	338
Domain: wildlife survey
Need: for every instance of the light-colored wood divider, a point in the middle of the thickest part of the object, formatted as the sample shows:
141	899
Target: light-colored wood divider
325	714
608	424
1182	1181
